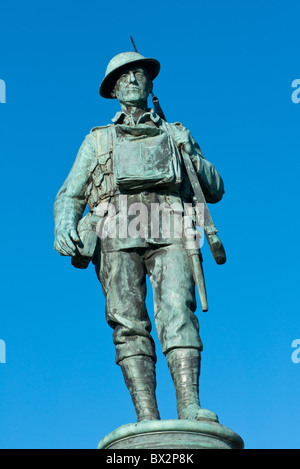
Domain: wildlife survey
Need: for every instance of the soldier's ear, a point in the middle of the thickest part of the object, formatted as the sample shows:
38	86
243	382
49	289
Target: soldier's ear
113	93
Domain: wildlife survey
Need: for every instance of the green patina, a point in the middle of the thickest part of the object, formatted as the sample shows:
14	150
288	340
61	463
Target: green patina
140	156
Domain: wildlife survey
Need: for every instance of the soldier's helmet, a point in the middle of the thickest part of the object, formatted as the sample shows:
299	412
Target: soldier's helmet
121	61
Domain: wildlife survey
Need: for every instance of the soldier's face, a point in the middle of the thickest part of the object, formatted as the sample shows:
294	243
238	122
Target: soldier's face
133	86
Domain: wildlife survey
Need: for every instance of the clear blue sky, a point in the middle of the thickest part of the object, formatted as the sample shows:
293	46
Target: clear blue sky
227	70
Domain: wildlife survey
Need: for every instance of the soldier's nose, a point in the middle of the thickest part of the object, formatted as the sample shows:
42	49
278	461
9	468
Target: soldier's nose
131	77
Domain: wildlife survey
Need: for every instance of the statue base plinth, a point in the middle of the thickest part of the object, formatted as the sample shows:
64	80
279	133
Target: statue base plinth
172	434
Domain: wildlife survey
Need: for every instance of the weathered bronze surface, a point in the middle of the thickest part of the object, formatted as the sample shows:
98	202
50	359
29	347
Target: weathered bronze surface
123	171
172	434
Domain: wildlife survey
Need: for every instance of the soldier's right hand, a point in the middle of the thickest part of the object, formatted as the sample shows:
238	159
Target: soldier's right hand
65	241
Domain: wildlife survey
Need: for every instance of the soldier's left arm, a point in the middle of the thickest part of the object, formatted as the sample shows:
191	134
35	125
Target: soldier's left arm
211	182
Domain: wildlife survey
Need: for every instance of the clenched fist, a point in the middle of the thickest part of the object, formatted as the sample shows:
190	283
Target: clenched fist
65	241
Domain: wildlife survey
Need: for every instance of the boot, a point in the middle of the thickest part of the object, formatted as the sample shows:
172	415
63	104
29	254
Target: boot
140	378
184	365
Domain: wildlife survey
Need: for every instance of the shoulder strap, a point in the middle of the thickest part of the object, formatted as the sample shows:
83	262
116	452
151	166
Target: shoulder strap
104	139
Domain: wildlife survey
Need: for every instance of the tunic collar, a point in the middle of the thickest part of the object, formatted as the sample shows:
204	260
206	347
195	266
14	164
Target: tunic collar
150	114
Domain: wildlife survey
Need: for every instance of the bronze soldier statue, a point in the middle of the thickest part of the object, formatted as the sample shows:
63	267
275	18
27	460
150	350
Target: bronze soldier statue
138	160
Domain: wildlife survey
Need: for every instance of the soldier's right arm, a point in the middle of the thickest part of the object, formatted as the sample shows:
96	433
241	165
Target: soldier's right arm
70	201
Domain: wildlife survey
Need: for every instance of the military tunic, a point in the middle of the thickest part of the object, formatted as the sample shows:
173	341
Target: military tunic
122	262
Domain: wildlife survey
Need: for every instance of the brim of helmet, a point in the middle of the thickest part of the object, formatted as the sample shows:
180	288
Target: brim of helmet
151	65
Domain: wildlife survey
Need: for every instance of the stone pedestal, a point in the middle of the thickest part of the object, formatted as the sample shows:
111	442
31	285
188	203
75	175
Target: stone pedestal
172	434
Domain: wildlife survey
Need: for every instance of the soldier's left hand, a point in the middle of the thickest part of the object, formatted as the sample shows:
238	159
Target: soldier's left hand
183	138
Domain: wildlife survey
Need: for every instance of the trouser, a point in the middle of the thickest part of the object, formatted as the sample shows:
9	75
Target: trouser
123	278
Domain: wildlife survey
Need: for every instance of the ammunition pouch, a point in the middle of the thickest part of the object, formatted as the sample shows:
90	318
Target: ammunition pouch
87	232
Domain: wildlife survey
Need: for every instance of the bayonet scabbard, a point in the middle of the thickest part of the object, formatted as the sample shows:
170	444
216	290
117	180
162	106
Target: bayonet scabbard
197	268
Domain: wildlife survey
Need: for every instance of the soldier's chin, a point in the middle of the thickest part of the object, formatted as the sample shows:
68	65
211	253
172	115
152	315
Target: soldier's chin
134	97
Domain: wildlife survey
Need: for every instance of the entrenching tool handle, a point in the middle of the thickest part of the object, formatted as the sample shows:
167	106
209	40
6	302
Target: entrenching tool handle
216	247
214	242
